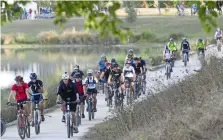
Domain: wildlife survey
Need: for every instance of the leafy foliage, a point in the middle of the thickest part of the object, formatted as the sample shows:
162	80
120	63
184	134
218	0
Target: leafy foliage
130	10
107	24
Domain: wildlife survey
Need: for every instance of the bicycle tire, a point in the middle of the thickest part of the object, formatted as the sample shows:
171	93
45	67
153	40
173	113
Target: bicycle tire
36	123
27	124
3	127
71	130
89	110
68	125
20	126
185	59
92	112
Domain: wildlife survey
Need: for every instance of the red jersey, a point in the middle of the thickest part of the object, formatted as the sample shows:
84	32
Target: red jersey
80	87
20	91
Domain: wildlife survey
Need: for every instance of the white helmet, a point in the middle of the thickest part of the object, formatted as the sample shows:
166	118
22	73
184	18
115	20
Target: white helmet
218	29
89	71
76	67
65	75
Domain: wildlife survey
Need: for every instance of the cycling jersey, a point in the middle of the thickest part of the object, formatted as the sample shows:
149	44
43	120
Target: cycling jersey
79	86
115	75
20	91
102	65
137	68
67	91
185	45
200	45
172	46
91	82
106	73
36	86
79	71
128	69
218	34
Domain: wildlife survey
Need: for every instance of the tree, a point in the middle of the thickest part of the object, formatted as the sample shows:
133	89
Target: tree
130	10
95	20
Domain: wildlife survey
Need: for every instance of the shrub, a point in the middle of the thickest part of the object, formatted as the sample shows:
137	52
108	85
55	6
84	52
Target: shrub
7	39
156	60
48	37
73	37
177	36
20	38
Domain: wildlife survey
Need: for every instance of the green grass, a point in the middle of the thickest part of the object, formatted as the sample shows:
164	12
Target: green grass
161	27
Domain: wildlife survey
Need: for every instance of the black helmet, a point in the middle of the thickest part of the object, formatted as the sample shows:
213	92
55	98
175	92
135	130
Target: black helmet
136	58
113	60
115	65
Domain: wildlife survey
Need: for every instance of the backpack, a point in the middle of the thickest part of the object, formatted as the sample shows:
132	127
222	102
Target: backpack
93	81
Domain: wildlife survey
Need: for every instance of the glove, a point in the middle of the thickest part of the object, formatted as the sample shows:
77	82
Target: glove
28	100
58	102
78	100
100	80
8	103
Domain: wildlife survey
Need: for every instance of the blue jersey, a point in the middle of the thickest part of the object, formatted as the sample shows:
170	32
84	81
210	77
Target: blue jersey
102	65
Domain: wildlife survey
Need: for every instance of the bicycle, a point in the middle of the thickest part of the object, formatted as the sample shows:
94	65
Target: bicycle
185	57
137	87
3	127
128	90
23	125
118	97
110	96
36	112
168	68
143	83
219	44
78	114
90	106
68	115
201	57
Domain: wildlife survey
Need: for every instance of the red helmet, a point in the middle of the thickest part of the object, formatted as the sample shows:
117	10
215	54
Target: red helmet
18	78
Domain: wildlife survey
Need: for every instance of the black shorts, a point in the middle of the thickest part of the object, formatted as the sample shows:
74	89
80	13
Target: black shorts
19	101
82	99
72	106
90	91
202	50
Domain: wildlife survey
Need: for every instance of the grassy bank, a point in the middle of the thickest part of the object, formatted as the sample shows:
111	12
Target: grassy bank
191	109
146	29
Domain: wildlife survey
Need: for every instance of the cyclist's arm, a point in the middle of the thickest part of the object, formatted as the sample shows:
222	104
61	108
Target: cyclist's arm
109	78
11	95
122	77
102	75
41	86
27	90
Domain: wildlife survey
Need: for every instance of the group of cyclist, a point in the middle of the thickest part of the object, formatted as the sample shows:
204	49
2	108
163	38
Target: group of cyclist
170	48
78	88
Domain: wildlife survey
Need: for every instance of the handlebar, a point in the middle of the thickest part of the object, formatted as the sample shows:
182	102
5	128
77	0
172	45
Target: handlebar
69	102
15	104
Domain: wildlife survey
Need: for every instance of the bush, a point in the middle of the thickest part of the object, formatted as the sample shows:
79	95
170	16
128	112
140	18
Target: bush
20	38
156	60
148	35
7	39
48	37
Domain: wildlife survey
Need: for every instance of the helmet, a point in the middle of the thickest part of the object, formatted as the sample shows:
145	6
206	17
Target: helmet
139	57
113	60
218	29
18	78
103	56
108	64
200	39
77	75
136	58
89	72
128	62
184	39
115	65
171	39
130	51
76	67
65	76
130	55
33	76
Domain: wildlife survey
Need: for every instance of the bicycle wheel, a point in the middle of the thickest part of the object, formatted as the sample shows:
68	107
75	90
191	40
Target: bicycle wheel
21	126
36	123
185	59
68	125
27	124
89	110
92	112
71	129
3	127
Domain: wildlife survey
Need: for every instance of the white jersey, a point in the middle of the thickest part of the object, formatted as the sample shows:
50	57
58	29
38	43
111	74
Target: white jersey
128	69
218	34
167	55
91	83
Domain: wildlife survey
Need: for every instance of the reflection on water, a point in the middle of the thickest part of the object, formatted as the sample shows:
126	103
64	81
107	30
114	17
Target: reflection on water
45	62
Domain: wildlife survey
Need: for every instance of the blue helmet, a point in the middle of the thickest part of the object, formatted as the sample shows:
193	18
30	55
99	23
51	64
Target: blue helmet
33	76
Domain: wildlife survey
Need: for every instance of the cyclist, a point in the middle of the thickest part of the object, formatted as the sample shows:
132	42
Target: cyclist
129	69
130	54
116	75
172	46
185	48
79	84
66	90
20	91
90	87
36	87
200	46
218	34
75	70
104	76
167	56
101	64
